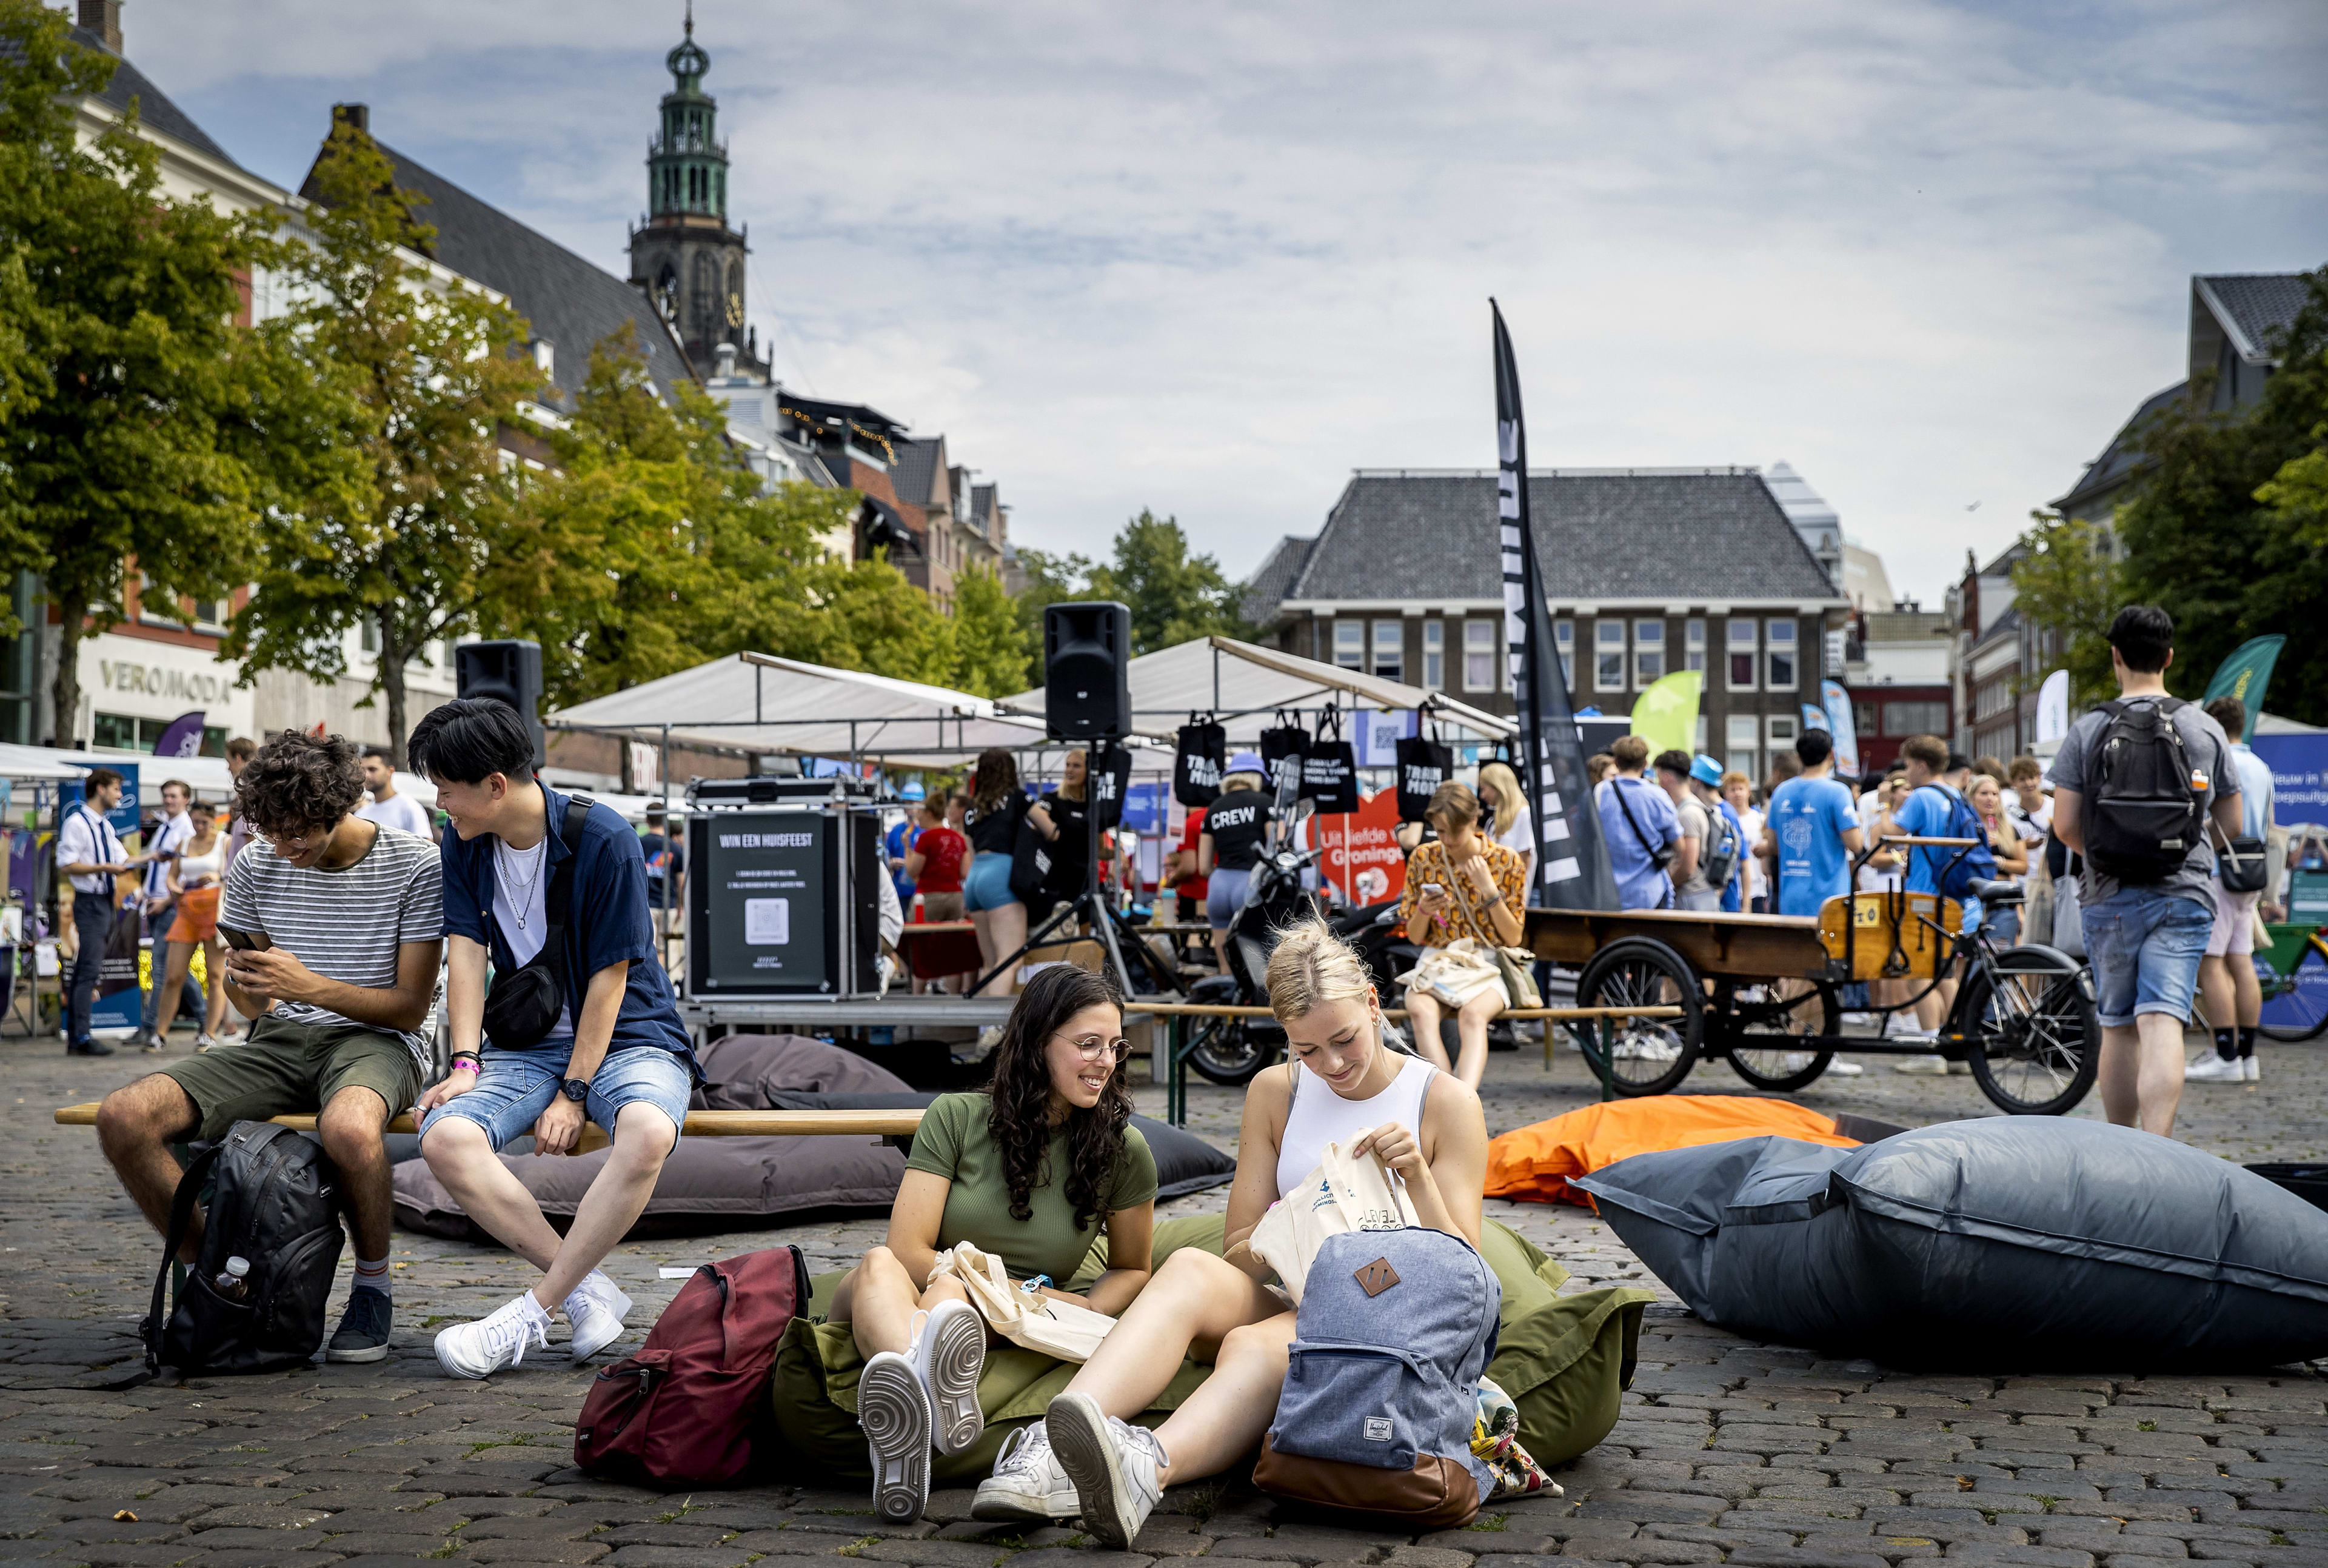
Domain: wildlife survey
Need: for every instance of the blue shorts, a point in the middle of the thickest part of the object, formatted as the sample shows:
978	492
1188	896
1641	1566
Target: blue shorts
1224	895
987	884
2145	945
517	1086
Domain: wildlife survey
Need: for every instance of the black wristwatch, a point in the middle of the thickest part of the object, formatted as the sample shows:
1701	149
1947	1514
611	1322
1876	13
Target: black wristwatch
577	1089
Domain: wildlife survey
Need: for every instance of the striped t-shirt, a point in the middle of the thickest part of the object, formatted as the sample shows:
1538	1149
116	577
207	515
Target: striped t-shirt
345	924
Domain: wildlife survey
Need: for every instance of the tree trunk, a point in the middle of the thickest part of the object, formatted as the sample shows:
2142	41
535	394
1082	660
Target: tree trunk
393	657
64	691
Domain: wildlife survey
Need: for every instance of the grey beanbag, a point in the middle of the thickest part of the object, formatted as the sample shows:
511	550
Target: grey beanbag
746	1072
2010	1242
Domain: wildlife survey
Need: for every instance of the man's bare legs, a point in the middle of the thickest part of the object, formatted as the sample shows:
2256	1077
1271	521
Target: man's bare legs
2141	1073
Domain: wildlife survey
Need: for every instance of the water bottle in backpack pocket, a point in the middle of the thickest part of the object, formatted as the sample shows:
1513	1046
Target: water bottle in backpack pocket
1394	1331
2144	798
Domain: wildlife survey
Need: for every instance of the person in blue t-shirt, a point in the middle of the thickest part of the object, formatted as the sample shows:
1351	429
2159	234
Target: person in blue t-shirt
1927	811
1639	827
1811	831
899	840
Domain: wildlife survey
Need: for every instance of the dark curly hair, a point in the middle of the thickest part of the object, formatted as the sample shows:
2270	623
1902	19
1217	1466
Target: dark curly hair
1020	1121
298	782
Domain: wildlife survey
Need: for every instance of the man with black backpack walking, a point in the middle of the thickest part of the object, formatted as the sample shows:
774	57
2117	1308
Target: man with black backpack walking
580	1023
2134	786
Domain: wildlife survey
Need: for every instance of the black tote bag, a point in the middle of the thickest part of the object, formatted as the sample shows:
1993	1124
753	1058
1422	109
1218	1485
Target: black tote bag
1109	782
1197	762
1423	765
1329	771
1285	746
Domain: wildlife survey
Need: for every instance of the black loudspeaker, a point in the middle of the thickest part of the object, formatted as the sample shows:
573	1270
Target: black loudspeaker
1086	671
509	672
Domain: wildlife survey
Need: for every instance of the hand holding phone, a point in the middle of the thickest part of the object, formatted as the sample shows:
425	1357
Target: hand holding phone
245	941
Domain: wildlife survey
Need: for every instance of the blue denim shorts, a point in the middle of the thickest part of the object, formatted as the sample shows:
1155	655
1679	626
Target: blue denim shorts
2145	945
988	883
516	1088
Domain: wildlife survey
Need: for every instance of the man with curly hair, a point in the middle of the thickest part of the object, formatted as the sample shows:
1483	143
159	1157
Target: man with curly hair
580	1024
348	916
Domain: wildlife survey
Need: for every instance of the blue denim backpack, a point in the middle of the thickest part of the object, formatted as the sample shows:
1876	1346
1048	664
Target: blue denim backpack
1394	1332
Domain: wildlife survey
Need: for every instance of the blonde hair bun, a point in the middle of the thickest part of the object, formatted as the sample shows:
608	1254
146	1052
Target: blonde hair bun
1309	966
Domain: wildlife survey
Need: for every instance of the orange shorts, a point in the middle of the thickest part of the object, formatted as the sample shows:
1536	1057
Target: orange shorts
197	920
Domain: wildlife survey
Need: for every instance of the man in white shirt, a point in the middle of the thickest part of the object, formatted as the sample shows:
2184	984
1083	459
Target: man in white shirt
388	806
89	856
2227	974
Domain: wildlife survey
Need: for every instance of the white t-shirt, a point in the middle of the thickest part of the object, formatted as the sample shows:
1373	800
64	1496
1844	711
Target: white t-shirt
1870	880
399	812
521	910
87	838
1758	881
167	839
1519	836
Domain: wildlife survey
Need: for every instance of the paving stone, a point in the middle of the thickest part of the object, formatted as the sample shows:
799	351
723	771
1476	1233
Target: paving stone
1800	1557
710	1556
271	1557
560	1551
1537	1560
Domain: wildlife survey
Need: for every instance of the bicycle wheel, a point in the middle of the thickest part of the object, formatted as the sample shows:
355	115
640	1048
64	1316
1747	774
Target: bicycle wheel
1756	1026
2030	1037
1226	1052
1652	1056
2295	1007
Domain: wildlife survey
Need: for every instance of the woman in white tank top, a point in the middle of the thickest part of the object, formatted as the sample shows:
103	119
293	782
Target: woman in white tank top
1343	1084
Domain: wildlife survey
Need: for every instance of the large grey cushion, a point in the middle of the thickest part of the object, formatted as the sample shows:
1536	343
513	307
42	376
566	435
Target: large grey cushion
2006	1243
746	1072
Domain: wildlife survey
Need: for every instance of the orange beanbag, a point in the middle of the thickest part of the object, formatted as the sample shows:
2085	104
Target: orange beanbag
1533	1164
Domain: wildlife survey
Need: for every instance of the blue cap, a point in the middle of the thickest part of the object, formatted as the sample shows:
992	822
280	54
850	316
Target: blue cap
1707	770
911	791
1245	762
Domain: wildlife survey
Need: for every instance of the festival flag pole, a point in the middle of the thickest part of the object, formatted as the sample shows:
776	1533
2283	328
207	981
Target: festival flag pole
1572	863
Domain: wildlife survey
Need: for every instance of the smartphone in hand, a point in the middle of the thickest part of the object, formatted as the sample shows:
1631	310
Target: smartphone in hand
245	941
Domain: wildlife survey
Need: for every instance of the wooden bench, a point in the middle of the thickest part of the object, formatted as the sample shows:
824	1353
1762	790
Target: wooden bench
699	1125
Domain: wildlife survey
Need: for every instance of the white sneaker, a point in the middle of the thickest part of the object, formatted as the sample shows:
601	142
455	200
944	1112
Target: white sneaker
1112	1463
494	1342
2209	1068
2251	1069
1840	1068
1646	1047
204	1040
949	1354
595	1312
1027	1485
894	1409
1928	1066
1862	1020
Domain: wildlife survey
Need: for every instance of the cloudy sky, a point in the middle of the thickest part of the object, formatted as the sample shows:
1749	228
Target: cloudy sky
1207	258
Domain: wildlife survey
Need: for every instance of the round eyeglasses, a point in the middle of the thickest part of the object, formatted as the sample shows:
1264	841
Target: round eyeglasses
1092	1048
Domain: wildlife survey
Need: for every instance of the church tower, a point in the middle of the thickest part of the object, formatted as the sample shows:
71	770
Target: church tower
685	256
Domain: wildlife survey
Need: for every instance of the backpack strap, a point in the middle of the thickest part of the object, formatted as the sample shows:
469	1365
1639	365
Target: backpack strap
558	903
182	1217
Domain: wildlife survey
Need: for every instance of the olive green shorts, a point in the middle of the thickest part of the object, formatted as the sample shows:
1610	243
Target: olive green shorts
282	1069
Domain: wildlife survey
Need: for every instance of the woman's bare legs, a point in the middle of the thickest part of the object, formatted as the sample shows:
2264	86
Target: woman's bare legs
878	1299
1471	1034
1005	929
1422	1015
214	986
179	958
1196	1304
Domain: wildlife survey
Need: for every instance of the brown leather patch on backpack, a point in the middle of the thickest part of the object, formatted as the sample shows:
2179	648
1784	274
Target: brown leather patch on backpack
1437	1493
1377	1277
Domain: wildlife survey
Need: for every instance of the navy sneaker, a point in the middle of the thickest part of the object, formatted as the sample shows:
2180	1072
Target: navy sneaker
362	1333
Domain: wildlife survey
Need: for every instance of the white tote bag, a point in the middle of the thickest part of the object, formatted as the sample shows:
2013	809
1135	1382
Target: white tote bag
1341	1195
1054	1328
1455	973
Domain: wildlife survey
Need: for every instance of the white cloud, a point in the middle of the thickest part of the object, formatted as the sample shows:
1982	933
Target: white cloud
1208	258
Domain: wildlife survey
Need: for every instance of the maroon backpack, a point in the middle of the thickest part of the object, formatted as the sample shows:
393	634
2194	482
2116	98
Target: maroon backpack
685	1407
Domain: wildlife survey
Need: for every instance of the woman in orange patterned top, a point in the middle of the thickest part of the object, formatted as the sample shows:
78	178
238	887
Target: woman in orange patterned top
1462	884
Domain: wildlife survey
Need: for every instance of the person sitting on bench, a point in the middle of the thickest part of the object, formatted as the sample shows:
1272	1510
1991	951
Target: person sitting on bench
534	887
351	917
1030	1170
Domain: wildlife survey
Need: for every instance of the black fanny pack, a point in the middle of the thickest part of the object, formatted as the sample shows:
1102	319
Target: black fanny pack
525	1004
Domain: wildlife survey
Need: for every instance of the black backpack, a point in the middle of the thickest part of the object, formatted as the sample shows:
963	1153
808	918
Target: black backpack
276	1205
1717	857
2143	813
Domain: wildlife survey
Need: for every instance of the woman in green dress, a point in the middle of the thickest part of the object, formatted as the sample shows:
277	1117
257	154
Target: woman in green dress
1030	1170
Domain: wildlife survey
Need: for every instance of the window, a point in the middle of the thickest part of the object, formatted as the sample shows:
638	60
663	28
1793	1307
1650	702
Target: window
1697	740
371	635
1390	650
1782	731
1781	636
1648	651
1905	718
1563	637
210	612
1608	655
124	732
1350	644
1862	718
1744	731
1479	655
1744	635
1694	646
1434	655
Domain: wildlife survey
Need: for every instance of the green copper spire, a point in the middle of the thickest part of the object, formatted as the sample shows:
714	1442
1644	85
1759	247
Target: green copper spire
687	165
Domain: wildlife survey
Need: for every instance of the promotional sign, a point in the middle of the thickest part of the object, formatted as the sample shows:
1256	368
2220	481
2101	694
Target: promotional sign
781	902
1666	713
184	738
1814	718
2299	776
2053	709
1572	864
1145	809
124	817
1375	736
1841	726
2245	674
1362	857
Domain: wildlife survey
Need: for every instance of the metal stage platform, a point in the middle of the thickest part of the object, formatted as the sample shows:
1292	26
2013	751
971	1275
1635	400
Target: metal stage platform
970	1012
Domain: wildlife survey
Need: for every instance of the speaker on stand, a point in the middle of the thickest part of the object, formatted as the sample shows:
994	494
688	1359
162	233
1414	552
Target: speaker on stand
510	672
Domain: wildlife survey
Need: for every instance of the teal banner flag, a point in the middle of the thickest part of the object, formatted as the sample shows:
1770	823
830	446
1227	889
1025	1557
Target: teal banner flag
2245	674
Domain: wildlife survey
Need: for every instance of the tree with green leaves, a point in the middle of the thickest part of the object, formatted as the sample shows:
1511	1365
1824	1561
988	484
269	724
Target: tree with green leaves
1175	596
2065	581
140	427
438	372
2224	525
990	645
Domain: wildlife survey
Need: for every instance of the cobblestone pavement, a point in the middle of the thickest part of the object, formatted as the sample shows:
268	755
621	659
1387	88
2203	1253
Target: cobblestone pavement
1729	1450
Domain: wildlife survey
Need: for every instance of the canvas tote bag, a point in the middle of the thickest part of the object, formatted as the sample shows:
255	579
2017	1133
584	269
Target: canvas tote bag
1058	1328
1340	1196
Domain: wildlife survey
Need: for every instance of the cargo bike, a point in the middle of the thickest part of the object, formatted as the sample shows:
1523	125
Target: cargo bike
1765	991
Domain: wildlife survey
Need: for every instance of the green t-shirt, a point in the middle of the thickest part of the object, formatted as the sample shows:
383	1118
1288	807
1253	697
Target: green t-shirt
954	1142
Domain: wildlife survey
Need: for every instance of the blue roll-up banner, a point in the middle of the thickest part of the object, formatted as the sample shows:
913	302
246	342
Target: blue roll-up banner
2299	776
1814	718
1840	725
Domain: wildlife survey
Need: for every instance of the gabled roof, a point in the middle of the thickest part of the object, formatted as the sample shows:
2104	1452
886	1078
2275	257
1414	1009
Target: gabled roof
2254	309
1265	591
2122	455
1713	536
569	303
915	476
155	112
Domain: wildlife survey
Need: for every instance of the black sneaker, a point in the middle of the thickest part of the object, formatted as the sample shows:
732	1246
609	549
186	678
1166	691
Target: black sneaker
88	1048
362	1333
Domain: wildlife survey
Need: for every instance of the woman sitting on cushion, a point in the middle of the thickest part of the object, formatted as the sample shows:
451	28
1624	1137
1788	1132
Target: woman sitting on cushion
1029	1170
1343	1085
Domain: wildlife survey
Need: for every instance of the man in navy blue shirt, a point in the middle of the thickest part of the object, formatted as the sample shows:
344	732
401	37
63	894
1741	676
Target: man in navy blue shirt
616	1052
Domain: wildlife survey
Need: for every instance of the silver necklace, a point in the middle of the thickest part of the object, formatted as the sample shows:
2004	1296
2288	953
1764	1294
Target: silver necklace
521	891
